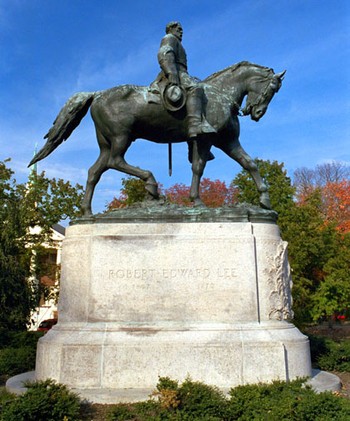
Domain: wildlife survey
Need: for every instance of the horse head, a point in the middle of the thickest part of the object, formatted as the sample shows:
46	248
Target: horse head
262	88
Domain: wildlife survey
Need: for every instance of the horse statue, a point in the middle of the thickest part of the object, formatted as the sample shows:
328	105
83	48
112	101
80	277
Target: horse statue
125	113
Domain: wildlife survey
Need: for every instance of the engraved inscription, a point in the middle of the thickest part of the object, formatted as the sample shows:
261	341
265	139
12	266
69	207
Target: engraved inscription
149	274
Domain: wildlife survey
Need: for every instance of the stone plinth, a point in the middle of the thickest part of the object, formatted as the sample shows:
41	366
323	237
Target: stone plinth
201	293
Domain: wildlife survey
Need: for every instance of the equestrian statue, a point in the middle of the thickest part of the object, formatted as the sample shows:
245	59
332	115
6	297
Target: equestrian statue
175	108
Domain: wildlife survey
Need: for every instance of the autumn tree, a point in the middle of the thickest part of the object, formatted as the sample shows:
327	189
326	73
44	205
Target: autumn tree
308	179
280	187
133	191
214	193
179	193
319	249
313	218
41	202
336	204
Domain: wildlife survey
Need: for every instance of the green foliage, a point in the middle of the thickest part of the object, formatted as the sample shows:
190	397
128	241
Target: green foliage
41	202
17	351
166	383
197	401
312	218
15	294
285	401
320	260
279	184
17	360
319	345
335	356
133	191
333	294
16	339
43	401
5	398
201	401
139	411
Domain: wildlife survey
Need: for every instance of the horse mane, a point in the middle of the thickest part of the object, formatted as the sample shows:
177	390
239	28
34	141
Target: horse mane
234	67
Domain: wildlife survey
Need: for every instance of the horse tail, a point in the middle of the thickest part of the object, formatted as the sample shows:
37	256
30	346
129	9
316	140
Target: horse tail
68	119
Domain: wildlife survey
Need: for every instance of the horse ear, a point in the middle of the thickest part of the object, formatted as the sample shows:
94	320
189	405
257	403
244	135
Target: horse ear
280	76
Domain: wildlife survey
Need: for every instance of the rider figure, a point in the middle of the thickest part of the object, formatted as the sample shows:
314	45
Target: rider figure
173	62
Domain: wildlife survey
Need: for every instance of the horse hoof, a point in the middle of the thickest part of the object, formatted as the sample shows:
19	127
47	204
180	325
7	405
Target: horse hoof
152	189
265	201
198	203
151	198
86	211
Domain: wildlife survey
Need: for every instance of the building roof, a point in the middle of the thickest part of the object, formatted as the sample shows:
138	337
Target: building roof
59	228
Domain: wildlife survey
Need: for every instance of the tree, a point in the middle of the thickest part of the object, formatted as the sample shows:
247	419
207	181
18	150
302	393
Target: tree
214	193
333	294
336	204
279	184
280	187
314	220
304	232
15	294
319	257
41	202
133	191
179	193
306	179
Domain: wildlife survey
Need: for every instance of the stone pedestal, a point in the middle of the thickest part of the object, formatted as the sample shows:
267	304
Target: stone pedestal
204	294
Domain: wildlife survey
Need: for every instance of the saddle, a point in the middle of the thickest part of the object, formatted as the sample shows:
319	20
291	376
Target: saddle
172	97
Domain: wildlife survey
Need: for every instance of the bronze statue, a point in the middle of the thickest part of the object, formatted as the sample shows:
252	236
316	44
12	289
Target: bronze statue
174	76
125	113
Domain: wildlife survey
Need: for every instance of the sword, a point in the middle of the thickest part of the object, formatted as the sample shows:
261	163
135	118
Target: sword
170	156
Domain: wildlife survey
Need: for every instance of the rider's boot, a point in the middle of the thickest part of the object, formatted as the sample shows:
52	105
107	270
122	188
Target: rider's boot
197	123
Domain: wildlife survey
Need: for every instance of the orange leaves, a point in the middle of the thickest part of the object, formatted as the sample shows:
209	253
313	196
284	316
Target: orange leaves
213	193
336	204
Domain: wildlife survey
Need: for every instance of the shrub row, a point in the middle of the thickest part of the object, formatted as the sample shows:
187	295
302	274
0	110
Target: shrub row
17	351
195	401
43	401
330	355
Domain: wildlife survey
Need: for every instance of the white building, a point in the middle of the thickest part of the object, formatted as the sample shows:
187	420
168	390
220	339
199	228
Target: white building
49	277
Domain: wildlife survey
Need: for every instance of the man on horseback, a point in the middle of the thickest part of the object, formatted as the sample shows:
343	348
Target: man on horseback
173	62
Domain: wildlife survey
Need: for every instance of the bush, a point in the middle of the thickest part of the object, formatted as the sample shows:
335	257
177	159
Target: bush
5	397
201	401
196	401
286	401
337	358
139	411
18	352
328	354
9	339
319	345
43	401
17	360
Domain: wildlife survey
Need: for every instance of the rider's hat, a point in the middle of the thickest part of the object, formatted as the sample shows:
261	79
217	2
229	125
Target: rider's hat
174	97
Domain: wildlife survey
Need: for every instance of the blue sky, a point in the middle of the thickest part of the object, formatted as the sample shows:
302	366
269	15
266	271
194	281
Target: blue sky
53	49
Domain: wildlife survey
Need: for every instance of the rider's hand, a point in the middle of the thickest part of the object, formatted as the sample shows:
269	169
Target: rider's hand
173	79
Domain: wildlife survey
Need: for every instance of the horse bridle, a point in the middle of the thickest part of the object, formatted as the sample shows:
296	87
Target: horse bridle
248	107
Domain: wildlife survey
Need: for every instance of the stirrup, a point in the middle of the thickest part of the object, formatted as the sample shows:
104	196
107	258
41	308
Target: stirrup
199	127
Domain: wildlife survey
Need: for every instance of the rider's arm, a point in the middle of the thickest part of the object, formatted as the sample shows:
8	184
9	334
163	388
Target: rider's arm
167	59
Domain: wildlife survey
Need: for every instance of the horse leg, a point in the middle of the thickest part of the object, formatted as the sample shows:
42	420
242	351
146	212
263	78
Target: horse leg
200	153
94	175
235	151
120	145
